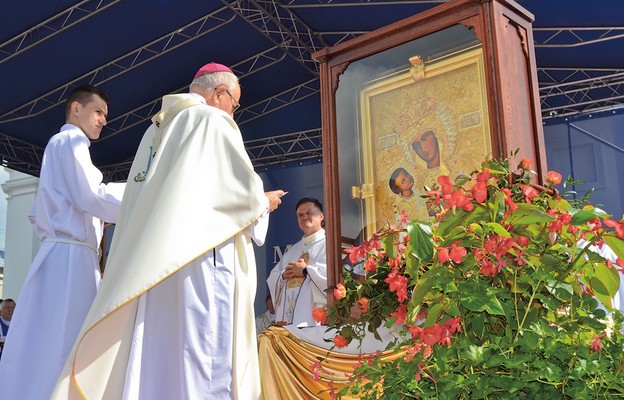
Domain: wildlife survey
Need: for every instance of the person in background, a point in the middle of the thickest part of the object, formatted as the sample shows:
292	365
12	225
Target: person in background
267	318
174	318
71	206
298	282
6	313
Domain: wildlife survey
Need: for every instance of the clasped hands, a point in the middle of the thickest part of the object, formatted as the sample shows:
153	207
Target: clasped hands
294	269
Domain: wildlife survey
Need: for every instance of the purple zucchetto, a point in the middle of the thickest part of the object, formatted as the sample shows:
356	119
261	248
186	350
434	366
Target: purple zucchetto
210	68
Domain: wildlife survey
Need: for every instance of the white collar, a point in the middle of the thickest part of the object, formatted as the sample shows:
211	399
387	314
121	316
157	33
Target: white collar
320	234
4	321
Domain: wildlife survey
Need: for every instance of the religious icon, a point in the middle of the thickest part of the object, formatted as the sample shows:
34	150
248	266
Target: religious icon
417	126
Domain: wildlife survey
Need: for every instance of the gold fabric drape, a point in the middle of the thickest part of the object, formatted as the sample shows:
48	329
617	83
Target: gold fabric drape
285	367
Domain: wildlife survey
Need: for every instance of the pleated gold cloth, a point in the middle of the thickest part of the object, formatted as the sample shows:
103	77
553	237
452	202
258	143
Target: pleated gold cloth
285	367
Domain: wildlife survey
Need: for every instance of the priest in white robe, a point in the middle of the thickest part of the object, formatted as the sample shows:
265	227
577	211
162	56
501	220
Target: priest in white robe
299	281
68	214
174	318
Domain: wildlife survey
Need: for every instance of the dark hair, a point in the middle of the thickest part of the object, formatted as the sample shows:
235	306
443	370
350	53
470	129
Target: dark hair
393	177
309	200
83	95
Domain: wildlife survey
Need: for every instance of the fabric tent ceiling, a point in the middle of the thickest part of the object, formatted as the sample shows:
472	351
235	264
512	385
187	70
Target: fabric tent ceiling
138	51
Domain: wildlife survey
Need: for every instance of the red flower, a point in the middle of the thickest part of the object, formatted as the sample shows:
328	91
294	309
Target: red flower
618	226
522	241
340	291
460	200
484	176
597	344
356	253
453	324
510	203
370	265
457	253
400	314
433	334
479	192
363	304
319	315
529	193
553	178
443	254
340	341
397	283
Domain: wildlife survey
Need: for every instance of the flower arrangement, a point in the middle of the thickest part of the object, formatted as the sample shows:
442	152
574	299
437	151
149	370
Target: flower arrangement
507	294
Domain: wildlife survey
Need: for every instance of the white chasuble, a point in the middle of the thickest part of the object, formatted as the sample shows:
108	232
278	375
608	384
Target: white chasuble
293	299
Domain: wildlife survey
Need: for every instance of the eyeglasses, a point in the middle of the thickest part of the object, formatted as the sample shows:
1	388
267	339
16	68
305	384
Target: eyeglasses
235	104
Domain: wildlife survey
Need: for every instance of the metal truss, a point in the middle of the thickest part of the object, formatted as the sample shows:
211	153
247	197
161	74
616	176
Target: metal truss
20	156
243	69
572	91
298	146
52	26
291	147
279	101
575	37
171	41
565	92
283	28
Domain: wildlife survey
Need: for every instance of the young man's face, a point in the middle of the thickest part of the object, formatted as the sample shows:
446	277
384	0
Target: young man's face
309	218
91	117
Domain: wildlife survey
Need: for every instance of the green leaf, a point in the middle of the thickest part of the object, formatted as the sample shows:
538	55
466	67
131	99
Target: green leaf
425	283
476	296
528	214
421	240
499	229
616	244
582	216
434	314
387	242
603	281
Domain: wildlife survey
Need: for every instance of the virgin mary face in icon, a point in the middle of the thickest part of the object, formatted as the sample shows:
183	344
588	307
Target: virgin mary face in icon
425	144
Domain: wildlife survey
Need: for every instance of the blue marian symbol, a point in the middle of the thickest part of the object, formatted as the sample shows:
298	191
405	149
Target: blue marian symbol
140	177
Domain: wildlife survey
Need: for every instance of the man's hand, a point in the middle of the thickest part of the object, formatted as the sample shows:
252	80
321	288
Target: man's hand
294	269
274	199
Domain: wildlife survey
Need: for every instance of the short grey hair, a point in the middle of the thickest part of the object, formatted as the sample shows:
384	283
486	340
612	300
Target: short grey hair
214	80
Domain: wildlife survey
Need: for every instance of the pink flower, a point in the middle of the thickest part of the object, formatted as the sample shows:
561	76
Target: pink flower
618	226
340	291
319	315
340	341
363	304
443	254
397	282
370	265
529	193
400	314
525	164
553	178
356	253
479	192
457	253
597	344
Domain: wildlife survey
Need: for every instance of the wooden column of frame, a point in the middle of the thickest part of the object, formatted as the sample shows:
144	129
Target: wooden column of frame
504	30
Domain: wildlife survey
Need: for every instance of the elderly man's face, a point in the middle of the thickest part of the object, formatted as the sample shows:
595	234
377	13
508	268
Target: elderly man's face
6	310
